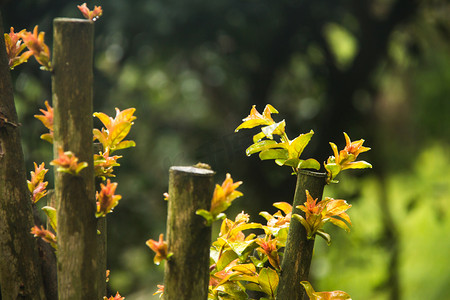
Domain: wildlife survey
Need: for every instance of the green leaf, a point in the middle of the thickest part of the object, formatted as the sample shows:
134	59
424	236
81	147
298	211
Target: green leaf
274	154
119	132
293	162
104	118
206	215
276	128
260	146
47	137
245	269
225	259
241	247
297	145
324	235
124	145
251	124
268	280
258	137
245	226
333	169
304	223
100	136
51	215
284	206
252	286
81	166
310	163
340	224
233	291
357	165
309	289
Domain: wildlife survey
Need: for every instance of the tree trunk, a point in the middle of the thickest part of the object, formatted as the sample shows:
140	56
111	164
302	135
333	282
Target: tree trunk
20	273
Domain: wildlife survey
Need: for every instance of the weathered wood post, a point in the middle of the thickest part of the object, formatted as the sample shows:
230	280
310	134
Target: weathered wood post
299	250
72	84
20	273
186	275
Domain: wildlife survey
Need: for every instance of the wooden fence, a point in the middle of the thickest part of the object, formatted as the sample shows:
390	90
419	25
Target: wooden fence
81	257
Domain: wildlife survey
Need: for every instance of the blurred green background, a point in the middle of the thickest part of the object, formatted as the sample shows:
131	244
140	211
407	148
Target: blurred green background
378	70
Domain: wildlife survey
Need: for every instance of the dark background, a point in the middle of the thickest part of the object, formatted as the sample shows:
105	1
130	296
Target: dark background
378	70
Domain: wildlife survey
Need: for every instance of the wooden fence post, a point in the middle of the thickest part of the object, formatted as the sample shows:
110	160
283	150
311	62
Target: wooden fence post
20	273
72	84
186	275
299	250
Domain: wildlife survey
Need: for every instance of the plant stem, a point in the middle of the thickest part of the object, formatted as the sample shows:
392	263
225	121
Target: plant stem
299	249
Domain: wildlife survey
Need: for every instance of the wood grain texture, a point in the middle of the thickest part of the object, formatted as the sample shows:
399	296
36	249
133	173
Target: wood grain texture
72	84
20	273
299	250
186	274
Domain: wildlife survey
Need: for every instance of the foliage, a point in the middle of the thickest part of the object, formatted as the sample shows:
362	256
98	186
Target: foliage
222	198
111	137
345	159
160	248
286	152
67	162
90	15
37	47
15	47
116	297
45	235
106	199
241	262
318	214
47	119
335	295
116	129
37	185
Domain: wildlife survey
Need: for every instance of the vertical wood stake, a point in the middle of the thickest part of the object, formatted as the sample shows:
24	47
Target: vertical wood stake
72	84
299	250
186	274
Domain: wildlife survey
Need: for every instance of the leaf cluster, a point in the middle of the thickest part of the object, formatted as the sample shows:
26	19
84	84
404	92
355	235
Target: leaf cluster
285	151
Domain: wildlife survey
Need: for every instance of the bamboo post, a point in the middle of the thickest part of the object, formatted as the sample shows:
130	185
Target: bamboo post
72	83
186	275
20	273
299	250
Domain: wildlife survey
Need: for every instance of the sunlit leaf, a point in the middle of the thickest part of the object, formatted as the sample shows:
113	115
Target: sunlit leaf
358	165
241	247
324	235
274	154
268	280
297	145
52	216
106	198
276	128
334	295
261	146
310	163
225	259
245	269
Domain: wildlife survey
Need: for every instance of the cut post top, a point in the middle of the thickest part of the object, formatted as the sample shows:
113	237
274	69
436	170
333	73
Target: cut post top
72	20
192	170
312	173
